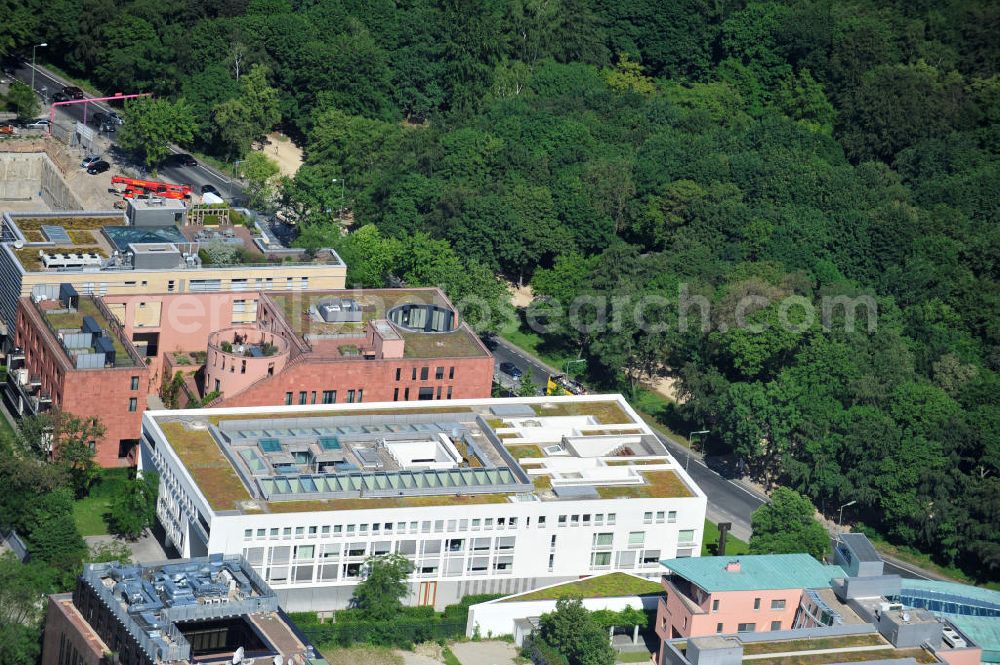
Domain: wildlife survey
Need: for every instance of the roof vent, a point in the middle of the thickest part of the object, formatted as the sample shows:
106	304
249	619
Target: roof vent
733	567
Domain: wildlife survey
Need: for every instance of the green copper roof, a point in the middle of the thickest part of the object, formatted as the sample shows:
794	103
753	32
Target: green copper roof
757	572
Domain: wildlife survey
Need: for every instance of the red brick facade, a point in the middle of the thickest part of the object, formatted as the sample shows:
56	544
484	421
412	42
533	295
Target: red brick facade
69	639
305	382
185	322
117	396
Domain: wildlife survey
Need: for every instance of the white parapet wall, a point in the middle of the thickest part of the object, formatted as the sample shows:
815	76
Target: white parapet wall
496	618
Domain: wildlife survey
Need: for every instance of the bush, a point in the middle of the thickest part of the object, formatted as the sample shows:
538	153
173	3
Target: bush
411	625
540	652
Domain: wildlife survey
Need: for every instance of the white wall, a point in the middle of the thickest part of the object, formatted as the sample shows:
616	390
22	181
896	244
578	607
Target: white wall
497	617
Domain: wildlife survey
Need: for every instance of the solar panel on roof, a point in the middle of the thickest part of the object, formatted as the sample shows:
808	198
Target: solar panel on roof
56	234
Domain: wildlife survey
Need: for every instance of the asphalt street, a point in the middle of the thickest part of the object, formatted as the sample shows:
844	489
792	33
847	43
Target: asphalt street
47	83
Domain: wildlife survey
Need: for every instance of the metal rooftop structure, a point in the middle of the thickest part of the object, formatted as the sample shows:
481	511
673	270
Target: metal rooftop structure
151	600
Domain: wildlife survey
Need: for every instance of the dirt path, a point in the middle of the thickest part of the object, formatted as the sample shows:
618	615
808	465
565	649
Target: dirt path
281	149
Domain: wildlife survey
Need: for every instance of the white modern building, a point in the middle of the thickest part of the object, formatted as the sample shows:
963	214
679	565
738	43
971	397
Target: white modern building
483	496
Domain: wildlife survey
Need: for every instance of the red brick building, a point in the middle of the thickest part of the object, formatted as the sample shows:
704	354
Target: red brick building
73	357
253	349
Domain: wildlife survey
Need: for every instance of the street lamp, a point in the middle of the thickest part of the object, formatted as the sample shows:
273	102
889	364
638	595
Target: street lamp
33	64
236	164
343	197
840	519
691	445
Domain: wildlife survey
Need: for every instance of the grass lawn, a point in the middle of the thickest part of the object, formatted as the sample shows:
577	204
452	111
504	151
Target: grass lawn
366	655
89	515
632	657
612	585
710	543
449	657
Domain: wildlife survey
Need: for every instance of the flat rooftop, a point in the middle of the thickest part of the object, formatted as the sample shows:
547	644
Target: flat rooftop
69	325
303	313
754	572
819	650
399	454
160	604
300	307
99	235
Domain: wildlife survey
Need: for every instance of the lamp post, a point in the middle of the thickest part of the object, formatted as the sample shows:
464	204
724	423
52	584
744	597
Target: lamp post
33	64
687	462
840	519
236	164
343	197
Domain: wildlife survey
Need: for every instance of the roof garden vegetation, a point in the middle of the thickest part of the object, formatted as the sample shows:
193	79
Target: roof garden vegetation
520	452
612	585
817	658
457	344
209	468
28	255
839	642
68	223
659	485
63	320
604	412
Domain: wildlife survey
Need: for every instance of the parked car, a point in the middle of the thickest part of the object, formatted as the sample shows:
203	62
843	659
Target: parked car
108	127
511	370
90	159
210	189
99	166
7	129
73	92
185	159
60	97
40	123
116	118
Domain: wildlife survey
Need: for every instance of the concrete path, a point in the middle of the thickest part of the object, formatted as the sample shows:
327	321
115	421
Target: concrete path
145	549
486	652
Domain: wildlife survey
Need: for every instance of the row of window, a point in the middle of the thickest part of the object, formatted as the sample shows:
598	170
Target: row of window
636	539
328	397
778	604
423	394
425	373
260	284
376	528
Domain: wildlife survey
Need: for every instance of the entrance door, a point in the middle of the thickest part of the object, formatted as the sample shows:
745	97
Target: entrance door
428	593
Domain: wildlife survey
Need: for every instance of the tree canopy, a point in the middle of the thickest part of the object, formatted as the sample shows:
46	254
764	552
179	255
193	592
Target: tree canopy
695	152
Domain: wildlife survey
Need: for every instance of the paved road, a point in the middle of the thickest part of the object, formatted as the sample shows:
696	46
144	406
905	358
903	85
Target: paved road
195	176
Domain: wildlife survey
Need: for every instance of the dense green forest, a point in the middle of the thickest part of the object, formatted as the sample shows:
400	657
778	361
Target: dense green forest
632	147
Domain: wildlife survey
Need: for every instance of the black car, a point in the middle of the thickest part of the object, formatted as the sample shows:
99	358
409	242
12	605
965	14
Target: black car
60	97
511	370
98	167
73	92
210	189
185	159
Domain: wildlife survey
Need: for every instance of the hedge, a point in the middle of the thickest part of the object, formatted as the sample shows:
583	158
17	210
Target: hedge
540	652
411	625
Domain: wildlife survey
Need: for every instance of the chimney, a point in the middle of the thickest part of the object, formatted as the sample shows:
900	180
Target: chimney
733	566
